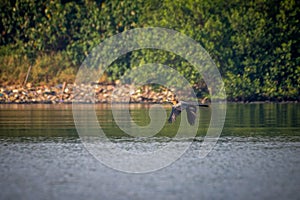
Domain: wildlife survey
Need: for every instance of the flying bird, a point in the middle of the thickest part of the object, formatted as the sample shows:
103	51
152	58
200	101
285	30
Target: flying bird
190	107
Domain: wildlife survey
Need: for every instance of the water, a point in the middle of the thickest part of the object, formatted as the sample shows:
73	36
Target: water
257	156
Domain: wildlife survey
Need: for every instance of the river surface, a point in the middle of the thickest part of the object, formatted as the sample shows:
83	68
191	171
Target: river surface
256	157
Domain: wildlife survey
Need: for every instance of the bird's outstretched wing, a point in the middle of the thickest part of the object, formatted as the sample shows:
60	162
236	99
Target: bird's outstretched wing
191	111
174	113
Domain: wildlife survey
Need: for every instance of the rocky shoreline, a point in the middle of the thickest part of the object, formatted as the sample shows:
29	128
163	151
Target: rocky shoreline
64	93
102	93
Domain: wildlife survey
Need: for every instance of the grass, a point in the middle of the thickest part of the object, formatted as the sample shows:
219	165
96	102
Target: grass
50	69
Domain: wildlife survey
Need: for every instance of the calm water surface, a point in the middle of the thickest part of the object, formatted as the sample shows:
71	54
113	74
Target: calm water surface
257	156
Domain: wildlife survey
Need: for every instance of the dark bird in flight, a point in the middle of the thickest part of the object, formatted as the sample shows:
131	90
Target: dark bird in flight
191	110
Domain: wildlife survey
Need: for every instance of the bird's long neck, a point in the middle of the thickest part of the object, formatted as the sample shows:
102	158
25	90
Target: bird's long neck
193	103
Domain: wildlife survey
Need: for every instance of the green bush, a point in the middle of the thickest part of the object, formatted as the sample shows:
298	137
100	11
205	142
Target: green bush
255	44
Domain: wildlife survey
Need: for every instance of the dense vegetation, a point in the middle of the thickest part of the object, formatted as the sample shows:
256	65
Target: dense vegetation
255	44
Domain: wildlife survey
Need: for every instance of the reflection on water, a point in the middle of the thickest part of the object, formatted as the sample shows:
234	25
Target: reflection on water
57	120
257	156
36	120
262	119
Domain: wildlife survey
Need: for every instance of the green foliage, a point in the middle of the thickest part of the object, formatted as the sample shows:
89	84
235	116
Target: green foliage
255	44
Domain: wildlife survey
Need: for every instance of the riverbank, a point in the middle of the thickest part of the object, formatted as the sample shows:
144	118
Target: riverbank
104	93
63	93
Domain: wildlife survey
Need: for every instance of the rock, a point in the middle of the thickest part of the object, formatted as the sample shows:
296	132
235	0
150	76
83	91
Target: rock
84	93
28	85
110	87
